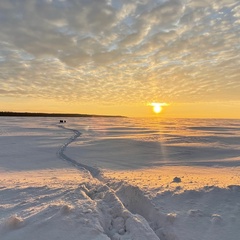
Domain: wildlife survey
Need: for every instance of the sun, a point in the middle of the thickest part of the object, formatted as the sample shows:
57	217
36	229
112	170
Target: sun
157	107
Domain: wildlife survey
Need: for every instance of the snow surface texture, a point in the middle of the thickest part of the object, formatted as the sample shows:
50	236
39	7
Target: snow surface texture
44	197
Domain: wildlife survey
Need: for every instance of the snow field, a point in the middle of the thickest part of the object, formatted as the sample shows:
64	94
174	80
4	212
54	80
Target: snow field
47	194
194	212
91	210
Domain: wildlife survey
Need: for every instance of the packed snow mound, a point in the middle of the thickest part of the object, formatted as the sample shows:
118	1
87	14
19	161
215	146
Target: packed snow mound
140	228
12	223
66	209
115	219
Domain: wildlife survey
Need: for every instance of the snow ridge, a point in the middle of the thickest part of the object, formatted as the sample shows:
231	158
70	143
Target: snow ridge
115	220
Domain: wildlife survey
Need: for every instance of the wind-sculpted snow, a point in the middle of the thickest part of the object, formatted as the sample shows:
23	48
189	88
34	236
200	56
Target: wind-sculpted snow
138	143
43	197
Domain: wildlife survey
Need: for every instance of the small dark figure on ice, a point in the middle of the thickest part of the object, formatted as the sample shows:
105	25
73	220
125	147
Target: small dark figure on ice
62	121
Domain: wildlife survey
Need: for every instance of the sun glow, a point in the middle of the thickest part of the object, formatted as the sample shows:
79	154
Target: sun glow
157	107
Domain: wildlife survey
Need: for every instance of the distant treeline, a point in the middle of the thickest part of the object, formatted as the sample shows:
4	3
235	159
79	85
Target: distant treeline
29	114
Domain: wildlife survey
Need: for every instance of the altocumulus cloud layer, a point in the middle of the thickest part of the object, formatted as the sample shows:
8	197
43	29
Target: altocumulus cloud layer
120	51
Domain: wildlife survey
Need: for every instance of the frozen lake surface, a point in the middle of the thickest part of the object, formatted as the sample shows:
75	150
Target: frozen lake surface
119	179
137	143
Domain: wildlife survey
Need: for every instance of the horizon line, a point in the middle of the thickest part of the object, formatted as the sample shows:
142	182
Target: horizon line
44	114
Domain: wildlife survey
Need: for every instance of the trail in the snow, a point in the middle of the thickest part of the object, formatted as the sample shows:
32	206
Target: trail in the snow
125	208
94	171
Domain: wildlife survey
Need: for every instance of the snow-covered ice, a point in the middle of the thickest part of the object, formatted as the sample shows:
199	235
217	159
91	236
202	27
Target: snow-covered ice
119	179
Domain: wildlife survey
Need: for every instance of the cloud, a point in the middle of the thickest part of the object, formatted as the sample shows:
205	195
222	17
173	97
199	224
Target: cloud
120	51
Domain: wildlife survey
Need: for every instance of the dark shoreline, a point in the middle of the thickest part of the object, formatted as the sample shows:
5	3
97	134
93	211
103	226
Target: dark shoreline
29	114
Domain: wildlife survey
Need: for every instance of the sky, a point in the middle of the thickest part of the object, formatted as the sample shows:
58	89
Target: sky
116	57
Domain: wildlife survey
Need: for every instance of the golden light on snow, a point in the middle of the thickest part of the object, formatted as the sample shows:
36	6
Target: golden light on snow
191	178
